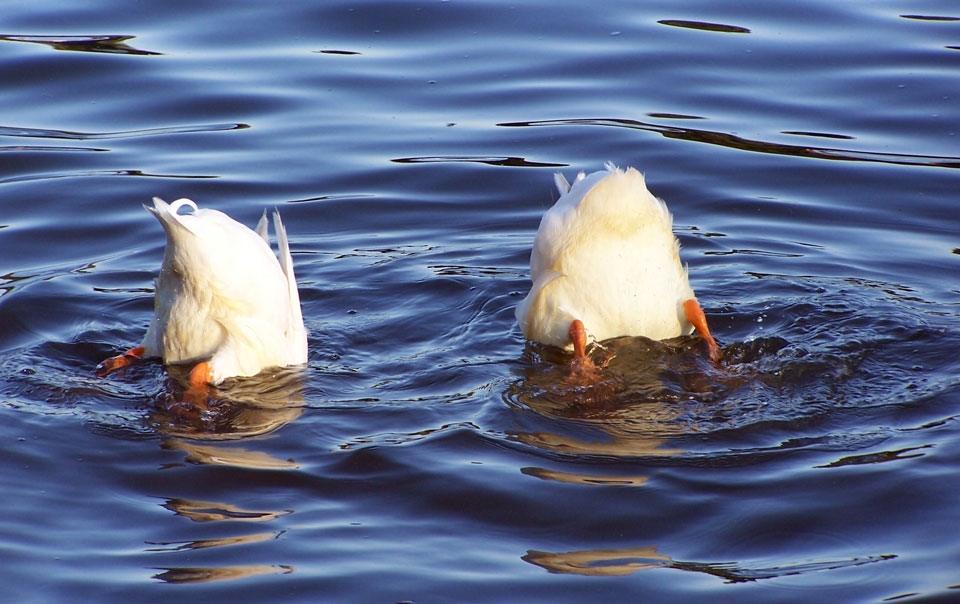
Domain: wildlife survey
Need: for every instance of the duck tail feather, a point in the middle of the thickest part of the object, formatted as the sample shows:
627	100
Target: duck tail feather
263	228
286	264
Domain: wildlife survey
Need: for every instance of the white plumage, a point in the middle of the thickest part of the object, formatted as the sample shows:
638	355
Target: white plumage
605	254
222	296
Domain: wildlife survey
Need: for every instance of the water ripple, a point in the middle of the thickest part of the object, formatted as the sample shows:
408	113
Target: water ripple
517	162
704	26
218	573
733	141
69	135
97	173
624	561
661	400
929	18
46	149
103	44
424	449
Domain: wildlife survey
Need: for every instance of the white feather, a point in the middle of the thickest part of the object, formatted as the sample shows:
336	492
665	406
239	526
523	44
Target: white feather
605	254
263	228
222	296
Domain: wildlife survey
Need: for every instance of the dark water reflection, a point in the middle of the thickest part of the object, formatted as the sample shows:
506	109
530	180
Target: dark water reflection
612	562
237	409
108	44
755	146
425	452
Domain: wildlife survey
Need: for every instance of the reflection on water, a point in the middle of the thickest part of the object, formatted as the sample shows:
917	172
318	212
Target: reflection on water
211	511
229	456
204	512
238	409
623	442
633	411
881	457
220	573
584	479
666	397
599	562
176	546
107	44
636	370
623	561
242	410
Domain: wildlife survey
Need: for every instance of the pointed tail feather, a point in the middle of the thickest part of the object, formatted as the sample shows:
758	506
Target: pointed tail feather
262	228
561	181
286	264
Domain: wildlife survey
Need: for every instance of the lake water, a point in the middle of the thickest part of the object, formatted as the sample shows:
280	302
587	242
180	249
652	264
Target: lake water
809	153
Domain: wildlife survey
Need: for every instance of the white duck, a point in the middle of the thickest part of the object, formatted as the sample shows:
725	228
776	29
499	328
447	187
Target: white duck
605	263
223	301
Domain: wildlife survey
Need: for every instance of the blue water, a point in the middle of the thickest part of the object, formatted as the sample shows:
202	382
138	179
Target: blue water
808	152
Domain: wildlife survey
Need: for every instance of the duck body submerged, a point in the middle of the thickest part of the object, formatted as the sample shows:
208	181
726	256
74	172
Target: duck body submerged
223	300
605	255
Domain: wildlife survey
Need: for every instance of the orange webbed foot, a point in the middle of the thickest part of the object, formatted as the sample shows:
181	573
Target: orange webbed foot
200	376
590	386
695	315
126	359
198	385
582	368
578	335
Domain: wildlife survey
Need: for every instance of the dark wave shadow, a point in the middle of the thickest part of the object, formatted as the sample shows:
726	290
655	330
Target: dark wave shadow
101	44
705	26
930	18
515	162
98	173
733	141
22	132
333	51
50	149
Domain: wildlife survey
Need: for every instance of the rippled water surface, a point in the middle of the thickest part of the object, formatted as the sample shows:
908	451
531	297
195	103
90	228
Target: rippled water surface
809	153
